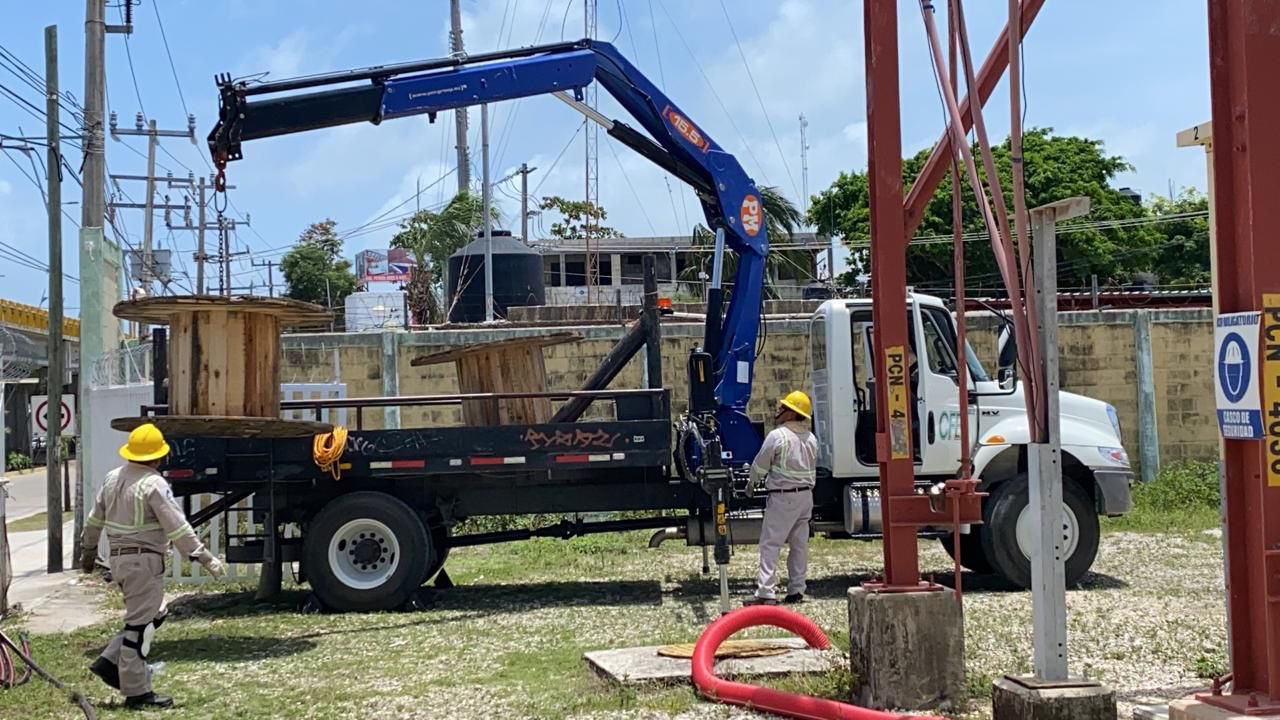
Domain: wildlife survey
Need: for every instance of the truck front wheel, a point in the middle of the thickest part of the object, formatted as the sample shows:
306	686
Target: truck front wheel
366	551
1011	527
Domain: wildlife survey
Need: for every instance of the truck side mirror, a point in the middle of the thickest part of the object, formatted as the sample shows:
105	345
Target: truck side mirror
1007	349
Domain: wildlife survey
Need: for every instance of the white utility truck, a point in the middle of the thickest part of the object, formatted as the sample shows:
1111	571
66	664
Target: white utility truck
1096	472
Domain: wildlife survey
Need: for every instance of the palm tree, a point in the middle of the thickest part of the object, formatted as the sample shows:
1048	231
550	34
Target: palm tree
782	219
432	236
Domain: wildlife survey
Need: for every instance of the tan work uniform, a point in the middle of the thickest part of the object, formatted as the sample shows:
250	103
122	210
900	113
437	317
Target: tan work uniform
786	464
137	509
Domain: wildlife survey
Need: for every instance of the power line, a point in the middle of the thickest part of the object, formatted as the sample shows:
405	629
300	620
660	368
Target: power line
155	5
128	53
759	98
720	101
634	194
558	157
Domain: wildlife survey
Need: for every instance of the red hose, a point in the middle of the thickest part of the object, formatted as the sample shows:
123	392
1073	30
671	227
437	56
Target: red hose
768	699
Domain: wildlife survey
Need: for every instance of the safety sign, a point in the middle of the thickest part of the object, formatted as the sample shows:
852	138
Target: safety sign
1235	342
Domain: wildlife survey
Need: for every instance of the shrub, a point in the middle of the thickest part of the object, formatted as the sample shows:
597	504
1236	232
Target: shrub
17	462
1184	486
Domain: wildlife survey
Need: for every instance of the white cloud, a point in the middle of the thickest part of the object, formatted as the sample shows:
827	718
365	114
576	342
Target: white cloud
856	132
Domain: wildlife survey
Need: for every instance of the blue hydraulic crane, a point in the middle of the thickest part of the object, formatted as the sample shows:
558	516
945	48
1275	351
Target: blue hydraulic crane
730	199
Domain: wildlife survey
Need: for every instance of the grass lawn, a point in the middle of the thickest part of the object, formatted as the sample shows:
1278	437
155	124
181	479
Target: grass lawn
508	641
39	521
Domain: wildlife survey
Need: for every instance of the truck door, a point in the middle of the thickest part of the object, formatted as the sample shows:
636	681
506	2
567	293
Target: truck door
938	400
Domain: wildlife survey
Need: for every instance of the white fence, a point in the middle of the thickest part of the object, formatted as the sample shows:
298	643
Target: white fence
125	400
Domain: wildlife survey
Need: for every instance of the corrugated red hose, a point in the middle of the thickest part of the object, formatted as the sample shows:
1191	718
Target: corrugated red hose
768	699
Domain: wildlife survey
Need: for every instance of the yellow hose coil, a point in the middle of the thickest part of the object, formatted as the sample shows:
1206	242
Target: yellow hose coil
327	449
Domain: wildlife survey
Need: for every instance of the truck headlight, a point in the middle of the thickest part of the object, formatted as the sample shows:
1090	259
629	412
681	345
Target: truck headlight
1115	455
1115	419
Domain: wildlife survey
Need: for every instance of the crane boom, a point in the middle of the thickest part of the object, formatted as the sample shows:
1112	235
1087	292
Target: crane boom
730	200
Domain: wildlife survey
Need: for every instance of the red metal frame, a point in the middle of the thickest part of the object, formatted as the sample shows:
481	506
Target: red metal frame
1244	51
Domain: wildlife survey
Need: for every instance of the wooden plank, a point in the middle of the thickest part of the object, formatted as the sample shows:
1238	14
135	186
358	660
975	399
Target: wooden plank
535	341
222	426
237	365
214	399
181	378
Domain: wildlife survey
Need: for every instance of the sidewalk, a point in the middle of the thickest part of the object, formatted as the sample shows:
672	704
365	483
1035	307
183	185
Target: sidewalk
61	602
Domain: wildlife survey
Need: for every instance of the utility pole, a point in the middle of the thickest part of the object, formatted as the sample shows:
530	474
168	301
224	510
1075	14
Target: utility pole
592	170
271	282
53	171
459	115
99	258
201	186
153	135
488	214
225	227
524	200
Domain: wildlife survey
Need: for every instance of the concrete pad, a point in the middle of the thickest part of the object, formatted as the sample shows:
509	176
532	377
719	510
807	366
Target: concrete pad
1192	709
640	665
906	650
1011	700
1151	712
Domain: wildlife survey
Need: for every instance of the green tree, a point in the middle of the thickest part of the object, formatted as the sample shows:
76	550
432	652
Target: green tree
576	217
314	270
782	219
432	236
324	236
1183	258
1057	167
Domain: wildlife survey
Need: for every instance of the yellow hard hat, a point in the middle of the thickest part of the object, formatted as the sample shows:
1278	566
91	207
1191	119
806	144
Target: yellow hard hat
798	401
146	443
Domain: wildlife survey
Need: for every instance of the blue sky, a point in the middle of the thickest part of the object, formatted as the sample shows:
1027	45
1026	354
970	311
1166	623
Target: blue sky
1131	74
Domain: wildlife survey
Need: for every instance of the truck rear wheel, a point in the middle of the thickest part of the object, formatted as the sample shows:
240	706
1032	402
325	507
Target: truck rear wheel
366	551
1011	529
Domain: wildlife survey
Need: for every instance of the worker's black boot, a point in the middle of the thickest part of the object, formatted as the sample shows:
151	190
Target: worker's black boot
755	600
148	701
106	671
793	599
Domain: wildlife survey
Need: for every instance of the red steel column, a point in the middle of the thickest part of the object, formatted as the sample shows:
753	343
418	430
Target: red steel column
889	287
1244	52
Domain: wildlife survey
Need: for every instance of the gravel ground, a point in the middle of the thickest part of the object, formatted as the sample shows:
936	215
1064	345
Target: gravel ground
508	641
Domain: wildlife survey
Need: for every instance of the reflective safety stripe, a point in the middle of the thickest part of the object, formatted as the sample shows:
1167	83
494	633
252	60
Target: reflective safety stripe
127	528
93	520
179	531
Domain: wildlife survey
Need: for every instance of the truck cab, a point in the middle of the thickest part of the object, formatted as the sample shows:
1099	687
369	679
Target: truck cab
1096	473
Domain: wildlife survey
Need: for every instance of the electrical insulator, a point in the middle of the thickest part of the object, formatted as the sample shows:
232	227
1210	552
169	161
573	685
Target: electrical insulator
138	121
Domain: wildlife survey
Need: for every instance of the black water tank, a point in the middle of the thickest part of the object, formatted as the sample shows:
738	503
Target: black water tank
517	278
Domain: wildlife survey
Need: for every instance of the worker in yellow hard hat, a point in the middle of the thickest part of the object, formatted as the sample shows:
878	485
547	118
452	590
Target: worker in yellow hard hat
786	467
137	510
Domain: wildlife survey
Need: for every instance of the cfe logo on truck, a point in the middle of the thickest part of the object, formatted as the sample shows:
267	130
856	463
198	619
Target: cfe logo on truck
1235	343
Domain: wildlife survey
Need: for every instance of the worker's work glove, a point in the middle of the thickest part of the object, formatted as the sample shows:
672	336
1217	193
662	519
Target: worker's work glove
755	487
216	567
88	559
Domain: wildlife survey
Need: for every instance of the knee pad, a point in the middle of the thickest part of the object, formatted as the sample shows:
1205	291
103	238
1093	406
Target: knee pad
138	638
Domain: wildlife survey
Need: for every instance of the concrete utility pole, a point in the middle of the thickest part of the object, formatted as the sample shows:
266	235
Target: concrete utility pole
459	115
1048	579
201	186
524	201
591	141
53	171
99	258
153	136
488	214
271	282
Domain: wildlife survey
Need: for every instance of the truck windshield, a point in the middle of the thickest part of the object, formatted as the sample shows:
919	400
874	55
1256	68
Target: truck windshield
976	371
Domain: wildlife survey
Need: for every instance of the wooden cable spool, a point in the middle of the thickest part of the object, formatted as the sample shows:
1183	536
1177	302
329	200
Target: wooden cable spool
224	363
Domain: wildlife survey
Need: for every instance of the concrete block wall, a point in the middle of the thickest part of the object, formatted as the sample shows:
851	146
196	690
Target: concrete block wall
1097	359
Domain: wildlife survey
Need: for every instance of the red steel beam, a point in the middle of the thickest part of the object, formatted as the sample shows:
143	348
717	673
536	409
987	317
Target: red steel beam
1244	52
935	168
889	288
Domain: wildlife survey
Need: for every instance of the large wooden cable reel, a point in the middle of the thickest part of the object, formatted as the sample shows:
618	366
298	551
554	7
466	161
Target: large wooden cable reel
224	364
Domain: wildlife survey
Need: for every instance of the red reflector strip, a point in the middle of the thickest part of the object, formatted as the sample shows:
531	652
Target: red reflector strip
573	458
182	473
509	460
408	463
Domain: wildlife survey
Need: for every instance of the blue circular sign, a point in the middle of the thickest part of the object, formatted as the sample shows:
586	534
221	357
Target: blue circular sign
1234	367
